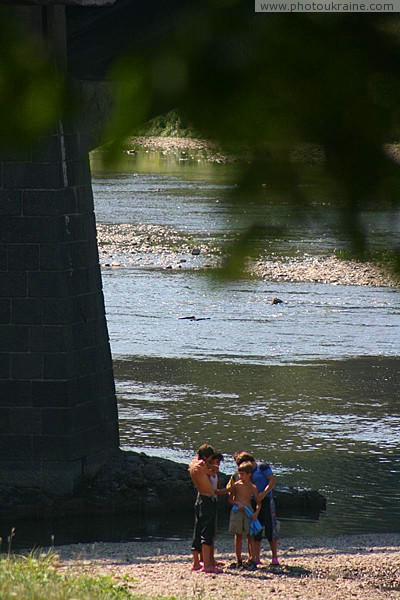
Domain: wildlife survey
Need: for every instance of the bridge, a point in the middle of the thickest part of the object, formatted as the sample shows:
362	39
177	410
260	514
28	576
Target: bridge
58	409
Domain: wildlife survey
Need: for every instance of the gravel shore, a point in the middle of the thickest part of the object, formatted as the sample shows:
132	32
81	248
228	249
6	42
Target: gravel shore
325	269
156	246
210	151
193	148
353	566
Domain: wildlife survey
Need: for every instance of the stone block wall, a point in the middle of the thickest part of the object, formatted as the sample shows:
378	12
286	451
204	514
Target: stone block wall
58	411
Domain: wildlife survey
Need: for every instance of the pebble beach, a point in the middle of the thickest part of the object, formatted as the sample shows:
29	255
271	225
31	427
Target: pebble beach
343	567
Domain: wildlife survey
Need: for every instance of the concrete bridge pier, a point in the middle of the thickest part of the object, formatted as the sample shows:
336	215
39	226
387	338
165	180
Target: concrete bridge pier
58	410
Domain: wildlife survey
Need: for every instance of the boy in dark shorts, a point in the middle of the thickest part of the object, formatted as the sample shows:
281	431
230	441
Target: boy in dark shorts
265	481
219	489
205	510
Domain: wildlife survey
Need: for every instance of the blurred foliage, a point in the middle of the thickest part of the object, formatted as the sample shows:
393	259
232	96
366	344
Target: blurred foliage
273	82
32	94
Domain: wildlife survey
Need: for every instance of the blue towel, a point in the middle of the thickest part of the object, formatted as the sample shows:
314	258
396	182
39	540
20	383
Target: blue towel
255	526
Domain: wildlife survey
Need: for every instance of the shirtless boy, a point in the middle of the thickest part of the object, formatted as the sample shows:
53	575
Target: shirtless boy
205	510
265	481
241	493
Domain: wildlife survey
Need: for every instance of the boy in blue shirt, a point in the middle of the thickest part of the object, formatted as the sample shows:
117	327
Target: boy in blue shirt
264	479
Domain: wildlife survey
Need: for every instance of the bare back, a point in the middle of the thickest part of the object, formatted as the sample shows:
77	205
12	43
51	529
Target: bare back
200	474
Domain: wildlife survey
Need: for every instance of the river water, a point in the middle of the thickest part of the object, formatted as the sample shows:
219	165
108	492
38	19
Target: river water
310	385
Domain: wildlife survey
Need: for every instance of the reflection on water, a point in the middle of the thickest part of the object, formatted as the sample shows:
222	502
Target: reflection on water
315	320
332	425
191	196
91	529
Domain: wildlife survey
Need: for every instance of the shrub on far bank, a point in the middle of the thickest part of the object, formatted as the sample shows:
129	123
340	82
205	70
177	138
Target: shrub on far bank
170	124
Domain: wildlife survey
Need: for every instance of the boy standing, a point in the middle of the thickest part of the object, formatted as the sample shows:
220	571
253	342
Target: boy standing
265	481
216	460
205	510
241	493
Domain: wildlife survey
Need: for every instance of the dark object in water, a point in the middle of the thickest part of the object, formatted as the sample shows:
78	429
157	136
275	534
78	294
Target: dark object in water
276	301
193	318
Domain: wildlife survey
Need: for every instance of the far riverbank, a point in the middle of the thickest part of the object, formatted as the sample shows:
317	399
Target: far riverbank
211	151
204	149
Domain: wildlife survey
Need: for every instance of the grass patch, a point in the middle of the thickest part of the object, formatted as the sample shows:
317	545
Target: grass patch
387	259
37	576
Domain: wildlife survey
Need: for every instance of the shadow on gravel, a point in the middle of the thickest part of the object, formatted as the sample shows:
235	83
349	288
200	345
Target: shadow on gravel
286	570
268	571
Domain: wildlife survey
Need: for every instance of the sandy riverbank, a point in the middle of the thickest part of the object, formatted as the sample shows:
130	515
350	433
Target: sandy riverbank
344	567
156	246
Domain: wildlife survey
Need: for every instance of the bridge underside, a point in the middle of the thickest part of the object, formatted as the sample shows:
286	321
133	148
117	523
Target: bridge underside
97	36
58	410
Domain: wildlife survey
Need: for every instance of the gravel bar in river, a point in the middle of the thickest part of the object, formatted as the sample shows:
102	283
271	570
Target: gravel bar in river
156	246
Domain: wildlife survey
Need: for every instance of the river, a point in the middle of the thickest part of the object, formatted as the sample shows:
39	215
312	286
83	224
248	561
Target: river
311	385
